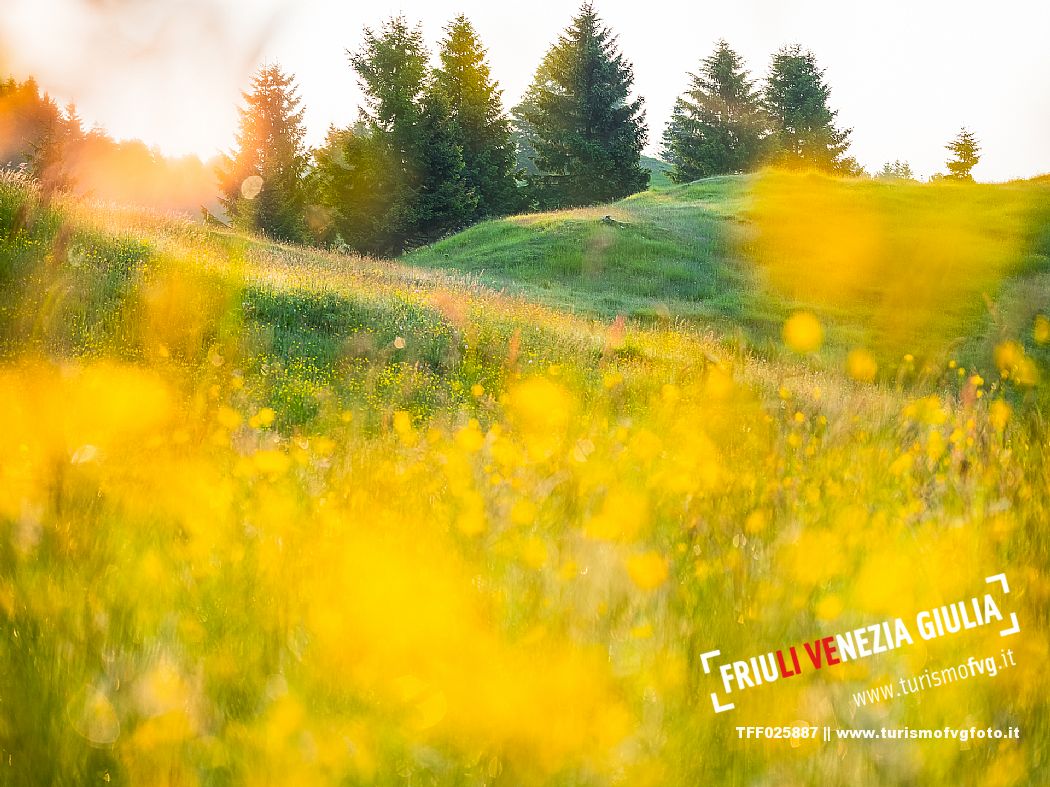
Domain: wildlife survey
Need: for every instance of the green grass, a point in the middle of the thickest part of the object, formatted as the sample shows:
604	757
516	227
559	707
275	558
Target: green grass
739	253
665	254
658	178
688	255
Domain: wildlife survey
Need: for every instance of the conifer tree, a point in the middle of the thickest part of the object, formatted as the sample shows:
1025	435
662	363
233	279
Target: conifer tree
47	157
965	154
446	200
717	126
263	181
391	68
359	182
383	158
35	135
480	126
578	117
803	124
397	178
74	123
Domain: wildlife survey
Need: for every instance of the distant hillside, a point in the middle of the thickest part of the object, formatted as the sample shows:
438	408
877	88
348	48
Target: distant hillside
659	253
657	172
690	252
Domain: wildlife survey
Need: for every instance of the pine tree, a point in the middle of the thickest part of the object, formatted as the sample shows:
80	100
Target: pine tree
717	126
480	126
357	178
446	200
579	118
380	163
397	178
965	154
803	125
263	181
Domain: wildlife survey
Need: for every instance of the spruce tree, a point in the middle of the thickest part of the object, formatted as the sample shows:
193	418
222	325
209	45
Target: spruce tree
717	126
803	124
391	68
480	126
74	123
262	181
446	200
359	182
965	155
34	134
580	120
397	178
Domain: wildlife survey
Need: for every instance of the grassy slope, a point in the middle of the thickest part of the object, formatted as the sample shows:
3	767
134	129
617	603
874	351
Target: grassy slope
696	252
641	437
657	172
668	254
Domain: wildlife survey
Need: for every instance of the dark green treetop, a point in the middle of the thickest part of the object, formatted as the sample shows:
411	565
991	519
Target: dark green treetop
579	119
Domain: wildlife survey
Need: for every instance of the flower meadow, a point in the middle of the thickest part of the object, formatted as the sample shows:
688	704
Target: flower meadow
279	516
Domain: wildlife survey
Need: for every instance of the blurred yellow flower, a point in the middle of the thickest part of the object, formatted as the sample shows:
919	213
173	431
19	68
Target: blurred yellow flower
756	522
523	512
271	462
1041	329
1008	355
262	419
228	417
647	570
803	332
624	514
534	553
861	365
829	607
999	414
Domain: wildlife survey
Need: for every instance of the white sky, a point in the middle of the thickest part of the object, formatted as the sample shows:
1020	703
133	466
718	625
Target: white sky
904	74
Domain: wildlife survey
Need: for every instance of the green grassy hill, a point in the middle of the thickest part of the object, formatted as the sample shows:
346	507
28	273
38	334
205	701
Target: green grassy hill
856	252
657	172
658	253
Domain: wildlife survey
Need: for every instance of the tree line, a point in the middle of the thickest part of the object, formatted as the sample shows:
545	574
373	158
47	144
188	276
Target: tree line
51	143
725	124
434	150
